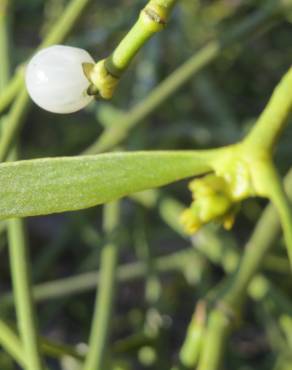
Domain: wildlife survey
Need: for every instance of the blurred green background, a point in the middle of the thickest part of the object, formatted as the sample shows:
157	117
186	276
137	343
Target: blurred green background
154	304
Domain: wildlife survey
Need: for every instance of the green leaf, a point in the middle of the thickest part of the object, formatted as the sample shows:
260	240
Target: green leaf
50	185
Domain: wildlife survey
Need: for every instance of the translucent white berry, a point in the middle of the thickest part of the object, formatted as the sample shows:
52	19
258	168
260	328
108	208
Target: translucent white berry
55	79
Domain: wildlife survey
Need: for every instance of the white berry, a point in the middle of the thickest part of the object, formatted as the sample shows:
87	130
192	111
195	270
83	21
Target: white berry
55	79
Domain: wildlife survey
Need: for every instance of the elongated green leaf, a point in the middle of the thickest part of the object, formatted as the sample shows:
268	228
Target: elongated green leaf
50	185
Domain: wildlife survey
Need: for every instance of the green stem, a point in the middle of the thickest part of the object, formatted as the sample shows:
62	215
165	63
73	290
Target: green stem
4	44
274	117
87	281
202	58
13	124
28	356
211	243
104	300
105	74
191	348
144	253
8	339
11	343
58	350
258	286
63	26
282	203
20	270
258	246
15	84
215	341
151	20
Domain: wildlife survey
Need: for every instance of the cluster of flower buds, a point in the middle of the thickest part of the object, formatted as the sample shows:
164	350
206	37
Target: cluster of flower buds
212	201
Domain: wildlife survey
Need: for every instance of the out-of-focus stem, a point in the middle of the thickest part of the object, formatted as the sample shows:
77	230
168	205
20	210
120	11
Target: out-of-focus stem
104	299
20	270
11	343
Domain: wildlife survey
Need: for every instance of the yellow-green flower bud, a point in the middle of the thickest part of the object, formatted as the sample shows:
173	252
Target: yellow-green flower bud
212	201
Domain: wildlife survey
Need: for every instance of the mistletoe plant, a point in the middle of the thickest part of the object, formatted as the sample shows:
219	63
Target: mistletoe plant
62	79
234	173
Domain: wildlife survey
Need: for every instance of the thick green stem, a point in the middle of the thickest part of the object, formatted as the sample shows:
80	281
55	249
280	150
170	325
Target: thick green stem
20	270
151	20
105	74
104	299
274	117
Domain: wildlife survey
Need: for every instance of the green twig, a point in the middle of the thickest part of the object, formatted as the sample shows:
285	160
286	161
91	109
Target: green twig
20	270
13	123
194	339
106	73
282	203
87	281
274	117
4	45
63	26
11	343
104	299
261	241
13	87
215	341
58	350
151	20
27	352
